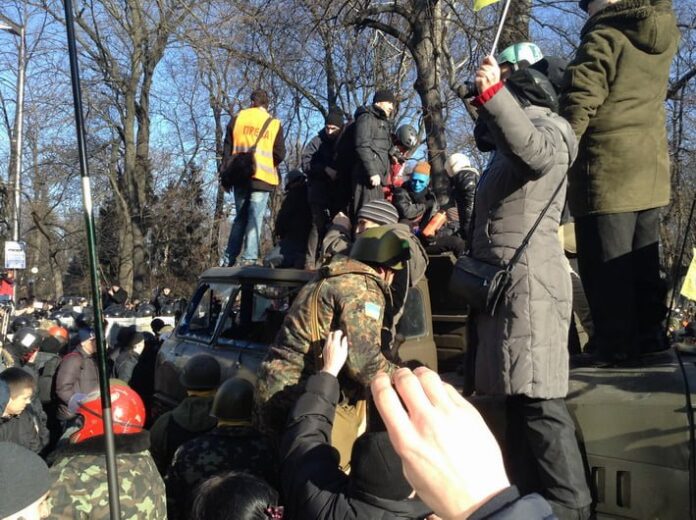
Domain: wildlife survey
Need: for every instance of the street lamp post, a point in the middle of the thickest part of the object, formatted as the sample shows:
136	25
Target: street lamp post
18	30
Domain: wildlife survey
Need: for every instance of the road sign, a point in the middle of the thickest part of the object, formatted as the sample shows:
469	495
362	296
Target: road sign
15	255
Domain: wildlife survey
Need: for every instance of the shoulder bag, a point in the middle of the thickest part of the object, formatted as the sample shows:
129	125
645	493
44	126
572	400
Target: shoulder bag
482	285
241	166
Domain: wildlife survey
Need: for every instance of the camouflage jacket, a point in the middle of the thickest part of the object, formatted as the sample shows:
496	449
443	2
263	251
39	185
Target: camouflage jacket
226	448
353	298
80	491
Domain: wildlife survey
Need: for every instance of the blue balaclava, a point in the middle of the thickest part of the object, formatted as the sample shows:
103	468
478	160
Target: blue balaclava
419	182
420	178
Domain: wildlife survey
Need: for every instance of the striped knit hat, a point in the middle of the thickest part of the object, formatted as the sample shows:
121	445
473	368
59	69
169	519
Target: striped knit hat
380	212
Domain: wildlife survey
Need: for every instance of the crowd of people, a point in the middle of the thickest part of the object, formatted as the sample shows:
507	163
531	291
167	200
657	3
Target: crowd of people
333	425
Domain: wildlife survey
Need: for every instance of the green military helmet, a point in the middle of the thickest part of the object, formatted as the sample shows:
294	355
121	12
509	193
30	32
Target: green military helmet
201	372
233	400
381	246
523	51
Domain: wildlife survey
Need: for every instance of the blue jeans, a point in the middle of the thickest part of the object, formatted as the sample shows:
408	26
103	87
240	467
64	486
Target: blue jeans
250	206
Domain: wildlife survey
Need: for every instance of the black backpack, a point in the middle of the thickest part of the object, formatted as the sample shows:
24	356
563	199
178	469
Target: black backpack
240	167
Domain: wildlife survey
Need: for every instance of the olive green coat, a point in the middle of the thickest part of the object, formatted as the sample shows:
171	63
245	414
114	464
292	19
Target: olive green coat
614	100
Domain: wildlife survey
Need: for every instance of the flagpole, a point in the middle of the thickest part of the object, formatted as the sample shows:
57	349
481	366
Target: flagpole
111	471
500	27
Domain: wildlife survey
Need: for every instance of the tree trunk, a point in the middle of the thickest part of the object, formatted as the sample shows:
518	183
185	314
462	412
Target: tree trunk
516	28
427	30
220	194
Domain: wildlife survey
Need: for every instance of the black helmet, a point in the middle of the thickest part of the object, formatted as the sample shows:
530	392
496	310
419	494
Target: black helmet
201	372
381	246
85	319
168	310
114	311
233	400
407	136
20	322
25	341
145	310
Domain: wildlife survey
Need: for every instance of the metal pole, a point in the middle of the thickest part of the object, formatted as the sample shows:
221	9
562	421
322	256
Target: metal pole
494	47
111	471
19	131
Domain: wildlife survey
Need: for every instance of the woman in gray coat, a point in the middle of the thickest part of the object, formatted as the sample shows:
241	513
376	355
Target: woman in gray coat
522	349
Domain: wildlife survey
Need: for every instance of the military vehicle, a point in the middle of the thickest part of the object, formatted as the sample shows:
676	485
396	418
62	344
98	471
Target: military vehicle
635	424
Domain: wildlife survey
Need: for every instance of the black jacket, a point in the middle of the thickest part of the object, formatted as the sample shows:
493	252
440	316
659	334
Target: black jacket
27	429
317	155
313	484
294	219
508	505
415	209
118	298
463	191
372	144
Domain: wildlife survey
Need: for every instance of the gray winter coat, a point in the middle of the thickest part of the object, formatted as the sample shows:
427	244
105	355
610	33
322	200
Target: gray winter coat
523	348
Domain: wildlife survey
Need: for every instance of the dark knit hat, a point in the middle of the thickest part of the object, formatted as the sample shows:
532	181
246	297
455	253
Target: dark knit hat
85	333
24	478
384	95
376	468
334	118
380	212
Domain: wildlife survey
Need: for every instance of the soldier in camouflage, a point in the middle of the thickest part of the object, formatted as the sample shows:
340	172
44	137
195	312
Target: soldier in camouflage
234	445
79	466
350	294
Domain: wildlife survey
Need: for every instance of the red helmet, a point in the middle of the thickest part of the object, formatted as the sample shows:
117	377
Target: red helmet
58	332
127	410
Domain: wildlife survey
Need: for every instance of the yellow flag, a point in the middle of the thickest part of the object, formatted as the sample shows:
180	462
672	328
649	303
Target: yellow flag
480	4
689	288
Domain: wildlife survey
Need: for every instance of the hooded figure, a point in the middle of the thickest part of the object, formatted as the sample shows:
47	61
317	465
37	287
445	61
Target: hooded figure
614	99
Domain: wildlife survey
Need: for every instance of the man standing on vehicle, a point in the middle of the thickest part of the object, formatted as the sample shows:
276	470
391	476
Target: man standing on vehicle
614	100
350	294
372	144
251	197
318	158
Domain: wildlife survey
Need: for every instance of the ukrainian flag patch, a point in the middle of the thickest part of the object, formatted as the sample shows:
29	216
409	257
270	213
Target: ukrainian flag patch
372	310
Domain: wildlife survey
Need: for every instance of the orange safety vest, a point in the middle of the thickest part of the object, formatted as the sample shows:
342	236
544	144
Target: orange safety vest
246	129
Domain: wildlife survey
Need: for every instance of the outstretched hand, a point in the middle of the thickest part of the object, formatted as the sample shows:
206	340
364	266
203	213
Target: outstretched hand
449	455
487	75
335	352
